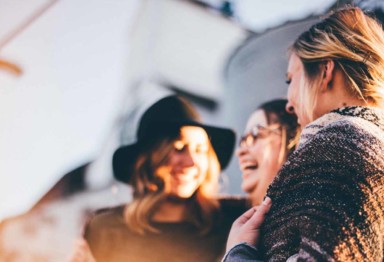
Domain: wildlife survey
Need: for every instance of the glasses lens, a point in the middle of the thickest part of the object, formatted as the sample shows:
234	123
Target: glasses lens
247	140
256	133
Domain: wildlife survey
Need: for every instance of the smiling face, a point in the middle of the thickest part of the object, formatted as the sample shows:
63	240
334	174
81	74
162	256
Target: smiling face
187	164
295	76
259	161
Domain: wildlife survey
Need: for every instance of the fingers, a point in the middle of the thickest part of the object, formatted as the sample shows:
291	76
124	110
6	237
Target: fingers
245	217
258	216
246	227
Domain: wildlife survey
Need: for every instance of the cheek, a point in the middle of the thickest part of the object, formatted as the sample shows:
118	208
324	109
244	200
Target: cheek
267	151
292	95
202	163
256	151
171	159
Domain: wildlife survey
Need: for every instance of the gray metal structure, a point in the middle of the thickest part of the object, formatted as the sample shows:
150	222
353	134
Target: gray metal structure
255	73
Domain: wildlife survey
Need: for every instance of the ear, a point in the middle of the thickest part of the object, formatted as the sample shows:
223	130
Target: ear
329	67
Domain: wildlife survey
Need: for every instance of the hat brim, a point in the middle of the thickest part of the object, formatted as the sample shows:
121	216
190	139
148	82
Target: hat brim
222	140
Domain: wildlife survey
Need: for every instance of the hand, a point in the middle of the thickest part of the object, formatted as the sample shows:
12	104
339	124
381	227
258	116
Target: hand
81	252
247	227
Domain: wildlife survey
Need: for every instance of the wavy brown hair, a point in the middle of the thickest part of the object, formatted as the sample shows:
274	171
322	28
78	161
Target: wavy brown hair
150	189
355	42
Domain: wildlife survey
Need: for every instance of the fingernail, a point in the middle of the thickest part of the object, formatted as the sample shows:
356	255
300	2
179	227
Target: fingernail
266	201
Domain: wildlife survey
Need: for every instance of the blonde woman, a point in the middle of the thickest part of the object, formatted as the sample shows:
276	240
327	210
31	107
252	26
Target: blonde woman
173	169
269	138
328	197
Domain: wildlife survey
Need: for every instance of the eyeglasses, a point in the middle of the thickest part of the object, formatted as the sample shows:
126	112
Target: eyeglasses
257	132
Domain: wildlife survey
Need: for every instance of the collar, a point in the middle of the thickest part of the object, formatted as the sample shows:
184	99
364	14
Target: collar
370	114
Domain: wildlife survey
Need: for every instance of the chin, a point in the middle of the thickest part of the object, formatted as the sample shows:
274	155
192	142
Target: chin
183	194
248	187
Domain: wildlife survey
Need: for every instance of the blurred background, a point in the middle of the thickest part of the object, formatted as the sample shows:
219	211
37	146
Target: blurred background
75	75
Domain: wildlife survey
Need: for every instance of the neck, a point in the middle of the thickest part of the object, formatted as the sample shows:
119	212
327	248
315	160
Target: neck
336	96
256	198
347	101
171	211
258	193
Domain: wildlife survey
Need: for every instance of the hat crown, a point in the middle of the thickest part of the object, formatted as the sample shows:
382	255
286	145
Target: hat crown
171	109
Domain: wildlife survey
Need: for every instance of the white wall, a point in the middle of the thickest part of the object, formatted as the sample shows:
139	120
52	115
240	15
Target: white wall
59	112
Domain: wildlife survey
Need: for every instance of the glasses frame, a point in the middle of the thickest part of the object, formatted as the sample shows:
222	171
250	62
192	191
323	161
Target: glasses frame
249	139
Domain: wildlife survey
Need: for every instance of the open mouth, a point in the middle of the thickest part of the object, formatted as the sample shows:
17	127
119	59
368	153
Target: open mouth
251	167
182	177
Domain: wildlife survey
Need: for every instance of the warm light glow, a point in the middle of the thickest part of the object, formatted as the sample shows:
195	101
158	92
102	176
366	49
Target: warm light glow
187	166
10	67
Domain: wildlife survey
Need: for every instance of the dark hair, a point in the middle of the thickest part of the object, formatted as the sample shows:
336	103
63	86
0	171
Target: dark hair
275	112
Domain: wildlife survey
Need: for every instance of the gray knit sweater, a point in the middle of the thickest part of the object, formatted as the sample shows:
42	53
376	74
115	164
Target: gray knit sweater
328	199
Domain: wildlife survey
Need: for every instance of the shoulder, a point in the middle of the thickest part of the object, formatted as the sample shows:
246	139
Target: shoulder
106	218
352	128
347	139
336	130
340	156
110	212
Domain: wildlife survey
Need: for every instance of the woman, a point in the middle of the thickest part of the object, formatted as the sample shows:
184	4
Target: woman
173	169
328	197
270	137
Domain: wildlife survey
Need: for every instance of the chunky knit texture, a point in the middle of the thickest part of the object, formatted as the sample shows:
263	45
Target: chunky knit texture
328	199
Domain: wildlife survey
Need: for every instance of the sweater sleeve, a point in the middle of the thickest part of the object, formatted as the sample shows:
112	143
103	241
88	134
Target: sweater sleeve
327	200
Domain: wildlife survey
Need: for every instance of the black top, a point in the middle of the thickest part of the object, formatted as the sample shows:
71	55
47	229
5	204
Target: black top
111	240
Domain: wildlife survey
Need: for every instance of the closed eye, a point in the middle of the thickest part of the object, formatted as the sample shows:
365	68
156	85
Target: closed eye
179	146
201	149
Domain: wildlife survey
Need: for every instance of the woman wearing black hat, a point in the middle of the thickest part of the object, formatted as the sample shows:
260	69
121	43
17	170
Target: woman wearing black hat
173	168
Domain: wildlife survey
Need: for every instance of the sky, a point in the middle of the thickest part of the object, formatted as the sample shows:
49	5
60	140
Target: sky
259	15
60	112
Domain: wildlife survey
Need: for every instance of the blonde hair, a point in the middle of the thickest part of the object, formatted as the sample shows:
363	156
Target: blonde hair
150	190
355	42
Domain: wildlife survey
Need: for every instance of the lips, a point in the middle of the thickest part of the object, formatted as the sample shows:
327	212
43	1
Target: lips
184	177
250	167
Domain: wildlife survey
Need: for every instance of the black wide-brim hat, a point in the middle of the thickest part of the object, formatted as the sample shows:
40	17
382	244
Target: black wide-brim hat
164	117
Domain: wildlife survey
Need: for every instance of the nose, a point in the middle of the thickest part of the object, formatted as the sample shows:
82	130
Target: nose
289	108
241	150
186	158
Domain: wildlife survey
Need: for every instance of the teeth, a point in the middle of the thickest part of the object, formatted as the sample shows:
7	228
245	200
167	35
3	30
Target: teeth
252	167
